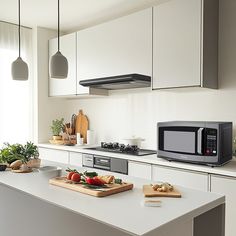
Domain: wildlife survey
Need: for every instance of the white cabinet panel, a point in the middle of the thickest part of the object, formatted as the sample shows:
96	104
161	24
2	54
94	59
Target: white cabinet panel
121	46
227	187
54	155
140	170
61	87
76	159
181	177
177	44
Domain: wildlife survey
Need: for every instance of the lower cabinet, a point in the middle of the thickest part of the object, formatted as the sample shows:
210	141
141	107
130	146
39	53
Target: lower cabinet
76	159
181	177
227	186
140	170
54	155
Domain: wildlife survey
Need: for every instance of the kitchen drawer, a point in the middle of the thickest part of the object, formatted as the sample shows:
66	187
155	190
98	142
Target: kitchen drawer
76	159
54	155
181	177
140	170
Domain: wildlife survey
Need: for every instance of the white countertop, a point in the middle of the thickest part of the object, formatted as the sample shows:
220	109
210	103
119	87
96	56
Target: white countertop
228	169
123	211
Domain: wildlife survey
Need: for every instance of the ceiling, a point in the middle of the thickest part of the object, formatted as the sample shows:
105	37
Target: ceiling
75	14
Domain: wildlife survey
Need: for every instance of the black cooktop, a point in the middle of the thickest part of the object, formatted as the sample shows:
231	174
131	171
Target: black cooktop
123	149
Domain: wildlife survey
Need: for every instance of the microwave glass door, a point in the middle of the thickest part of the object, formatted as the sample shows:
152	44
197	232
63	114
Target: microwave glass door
177	141
180	140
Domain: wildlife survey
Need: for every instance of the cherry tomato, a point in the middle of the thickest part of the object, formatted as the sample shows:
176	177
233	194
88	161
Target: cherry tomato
69	175
75	177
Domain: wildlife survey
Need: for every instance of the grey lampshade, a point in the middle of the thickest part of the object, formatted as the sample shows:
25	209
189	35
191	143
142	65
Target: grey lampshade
19	69
58	66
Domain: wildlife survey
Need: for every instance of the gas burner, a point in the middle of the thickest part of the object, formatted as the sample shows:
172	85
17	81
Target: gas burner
120	147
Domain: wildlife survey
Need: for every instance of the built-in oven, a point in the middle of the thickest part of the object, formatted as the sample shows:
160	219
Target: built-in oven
101	162
106	163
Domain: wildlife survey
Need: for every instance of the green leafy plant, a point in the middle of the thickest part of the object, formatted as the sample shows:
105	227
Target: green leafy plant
10	153
30	151
57	126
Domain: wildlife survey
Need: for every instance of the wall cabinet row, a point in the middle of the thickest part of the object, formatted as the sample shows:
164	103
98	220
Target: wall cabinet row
175	42
122	46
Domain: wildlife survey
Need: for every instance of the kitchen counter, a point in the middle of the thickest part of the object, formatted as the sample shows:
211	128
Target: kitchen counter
50	210
228	169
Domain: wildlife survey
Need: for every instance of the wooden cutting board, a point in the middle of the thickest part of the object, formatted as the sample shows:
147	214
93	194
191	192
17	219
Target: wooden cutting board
149	192
81	125
111	188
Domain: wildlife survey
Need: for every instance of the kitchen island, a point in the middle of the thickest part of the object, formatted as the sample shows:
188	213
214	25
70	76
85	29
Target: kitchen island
30	206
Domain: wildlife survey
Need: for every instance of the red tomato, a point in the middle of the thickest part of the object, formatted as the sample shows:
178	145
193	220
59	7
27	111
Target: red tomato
75	177
69	175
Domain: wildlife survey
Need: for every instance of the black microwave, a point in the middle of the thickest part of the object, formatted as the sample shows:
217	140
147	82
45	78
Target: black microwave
207	143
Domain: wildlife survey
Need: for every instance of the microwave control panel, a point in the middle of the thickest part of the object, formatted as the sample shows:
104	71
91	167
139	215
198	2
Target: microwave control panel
210	142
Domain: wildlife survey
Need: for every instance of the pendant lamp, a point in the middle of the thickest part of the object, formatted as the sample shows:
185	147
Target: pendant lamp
59	63
19	69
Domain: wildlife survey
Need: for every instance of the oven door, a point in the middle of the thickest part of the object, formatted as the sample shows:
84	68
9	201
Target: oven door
181	139
101	162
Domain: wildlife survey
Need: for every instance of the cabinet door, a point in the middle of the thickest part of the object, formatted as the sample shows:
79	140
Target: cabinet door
54	155
177	44
121	46
76	159
63	87
140	170
181	177
226	186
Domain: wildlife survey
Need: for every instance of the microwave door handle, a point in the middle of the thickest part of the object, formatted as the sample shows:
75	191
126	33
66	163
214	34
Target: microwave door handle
199	140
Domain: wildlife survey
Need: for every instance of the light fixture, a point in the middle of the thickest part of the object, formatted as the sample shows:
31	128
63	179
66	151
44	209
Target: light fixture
59	63
19	69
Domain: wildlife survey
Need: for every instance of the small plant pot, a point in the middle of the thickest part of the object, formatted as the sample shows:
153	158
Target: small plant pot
34	163
57	137
3	167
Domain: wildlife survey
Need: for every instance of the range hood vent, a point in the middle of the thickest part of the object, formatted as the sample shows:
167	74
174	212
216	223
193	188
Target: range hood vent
119	82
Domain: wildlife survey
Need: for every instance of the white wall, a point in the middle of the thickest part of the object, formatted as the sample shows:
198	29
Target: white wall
128	113
45	108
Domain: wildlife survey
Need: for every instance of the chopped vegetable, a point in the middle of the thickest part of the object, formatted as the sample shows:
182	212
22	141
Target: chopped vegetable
90	174
118	181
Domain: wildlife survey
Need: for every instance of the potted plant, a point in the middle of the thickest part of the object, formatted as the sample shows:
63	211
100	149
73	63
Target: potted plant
31	155
57	127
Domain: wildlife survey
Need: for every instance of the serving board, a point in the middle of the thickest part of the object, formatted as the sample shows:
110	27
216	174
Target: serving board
149	192
111	188
22	171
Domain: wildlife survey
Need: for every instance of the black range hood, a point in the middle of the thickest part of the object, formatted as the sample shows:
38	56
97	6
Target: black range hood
118	82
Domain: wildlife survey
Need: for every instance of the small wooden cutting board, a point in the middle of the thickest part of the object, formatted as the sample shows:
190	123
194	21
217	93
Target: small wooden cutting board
81	125
149	192
111	188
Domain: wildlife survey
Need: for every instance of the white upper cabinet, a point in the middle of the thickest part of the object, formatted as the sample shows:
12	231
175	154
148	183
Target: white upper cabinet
185	44
118	47
64	87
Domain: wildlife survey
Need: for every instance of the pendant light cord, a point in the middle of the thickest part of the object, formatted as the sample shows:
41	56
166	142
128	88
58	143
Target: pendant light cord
19	25
58	25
